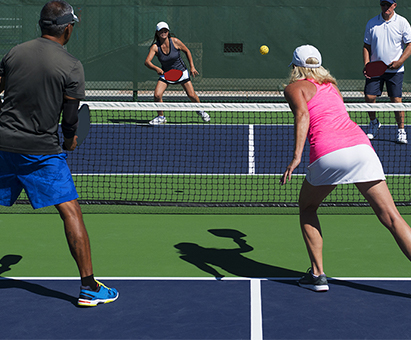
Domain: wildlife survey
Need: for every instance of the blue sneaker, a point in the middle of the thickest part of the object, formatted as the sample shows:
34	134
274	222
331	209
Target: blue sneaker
91	298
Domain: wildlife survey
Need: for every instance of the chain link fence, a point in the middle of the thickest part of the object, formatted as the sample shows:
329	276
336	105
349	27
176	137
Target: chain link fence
113	38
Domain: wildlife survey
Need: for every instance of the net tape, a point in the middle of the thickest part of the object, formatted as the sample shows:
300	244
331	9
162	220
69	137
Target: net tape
234	107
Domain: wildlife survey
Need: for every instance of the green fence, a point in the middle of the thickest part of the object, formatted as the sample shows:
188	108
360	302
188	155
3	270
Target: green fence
113	38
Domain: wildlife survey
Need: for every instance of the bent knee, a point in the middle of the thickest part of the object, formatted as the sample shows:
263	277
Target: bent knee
307	208
158	97
370	98
192	95
69	209
390	219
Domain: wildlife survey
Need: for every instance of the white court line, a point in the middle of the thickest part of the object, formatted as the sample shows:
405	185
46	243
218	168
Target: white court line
251	155
185	278
256	310
256	322
131	278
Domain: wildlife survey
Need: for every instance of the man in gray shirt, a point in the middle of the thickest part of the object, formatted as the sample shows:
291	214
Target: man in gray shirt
40	80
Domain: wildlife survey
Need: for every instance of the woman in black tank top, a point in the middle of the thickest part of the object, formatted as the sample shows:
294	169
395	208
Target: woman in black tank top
167	49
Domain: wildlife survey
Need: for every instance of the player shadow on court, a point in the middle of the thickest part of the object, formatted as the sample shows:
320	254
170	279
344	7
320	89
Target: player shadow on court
233	262
376	139
7	261
6	283
230	260
128	120
145	122
368	288
385	134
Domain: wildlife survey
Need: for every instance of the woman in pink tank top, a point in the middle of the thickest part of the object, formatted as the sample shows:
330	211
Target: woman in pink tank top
340	153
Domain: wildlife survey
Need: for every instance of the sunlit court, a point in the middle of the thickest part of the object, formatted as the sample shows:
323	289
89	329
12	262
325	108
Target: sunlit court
180	172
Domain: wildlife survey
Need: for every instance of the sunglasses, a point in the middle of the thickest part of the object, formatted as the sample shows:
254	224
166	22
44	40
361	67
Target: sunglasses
385	4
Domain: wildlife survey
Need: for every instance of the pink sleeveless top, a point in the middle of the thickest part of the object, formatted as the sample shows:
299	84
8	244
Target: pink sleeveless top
331	128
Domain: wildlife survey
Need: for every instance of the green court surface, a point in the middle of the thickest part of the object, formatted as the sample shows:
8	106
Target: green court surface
133	245
107	116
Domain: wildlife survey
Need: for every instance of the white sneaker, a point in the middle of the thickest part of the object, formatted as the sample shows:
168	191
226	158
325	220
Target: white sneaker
204	115
158	120
402	136
373	128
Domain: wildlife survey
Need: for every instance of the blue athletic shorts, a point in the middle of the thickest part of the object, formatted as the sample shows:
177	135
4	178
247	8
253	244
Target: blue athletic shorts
393	82
46	179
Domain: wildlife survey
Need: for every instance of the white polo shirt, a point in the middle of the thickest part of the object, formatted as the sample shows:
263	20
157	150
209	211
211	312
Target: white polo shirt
387	38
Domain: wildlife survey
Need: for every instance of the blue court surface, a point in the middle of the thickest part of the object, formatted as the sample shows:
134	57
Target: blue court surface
208	309
208	149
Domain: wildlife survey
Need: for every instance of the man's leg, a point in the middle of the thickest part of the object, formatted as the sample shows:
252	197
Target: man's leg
399	115
92	293
374	124
400	119
394	89
373	88
77	236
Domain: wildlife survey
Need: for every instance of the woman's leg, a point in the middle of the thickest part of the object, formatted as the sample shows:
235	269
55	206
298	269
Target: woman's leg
158	94
309	201
380	199
189	89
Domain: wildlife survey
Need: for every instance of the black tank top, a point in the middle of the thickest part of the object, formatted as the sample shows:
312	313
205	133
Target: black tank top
172	60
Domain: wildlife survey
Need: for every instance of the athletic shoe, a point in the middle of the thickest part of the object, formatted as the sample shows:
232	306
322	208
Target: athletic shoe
91	298
402	137
204	115
373	128
317	284
158	120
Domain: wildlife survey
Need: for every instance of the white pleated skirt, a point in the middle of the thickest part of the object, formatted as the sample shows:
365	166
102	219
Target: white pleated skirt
355	164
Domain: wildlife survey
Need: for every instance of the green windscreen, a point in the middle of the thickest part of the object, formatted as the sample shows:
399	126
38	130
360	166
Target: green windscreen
113	38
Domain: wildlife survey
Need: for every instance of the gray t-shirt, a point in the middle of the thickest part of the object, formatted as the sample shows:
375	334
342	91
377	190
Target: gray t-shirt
38	74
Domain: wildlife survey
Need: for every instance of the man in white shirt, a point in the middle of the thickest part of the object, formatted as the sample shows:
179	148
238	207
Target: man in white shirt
387	37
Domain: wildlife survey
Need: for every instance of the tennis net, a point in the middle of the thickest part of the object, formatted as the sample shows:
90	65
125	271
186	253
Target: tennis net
235	160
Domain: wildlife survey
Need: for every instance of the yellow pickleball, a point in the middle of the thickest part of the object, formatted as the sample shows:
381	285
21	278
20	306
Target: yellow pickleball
264	49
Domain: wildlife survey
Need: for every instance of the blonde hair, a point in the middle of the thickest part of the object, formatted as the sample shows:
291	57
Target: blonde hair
319	74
